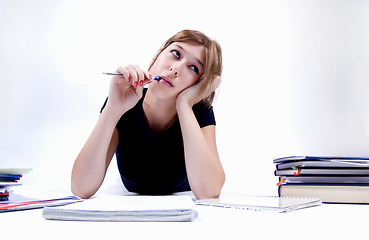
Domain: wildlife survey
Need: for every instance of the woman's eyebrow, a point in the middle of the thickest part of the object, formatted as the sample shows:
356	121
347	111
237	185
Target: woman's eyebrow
202	65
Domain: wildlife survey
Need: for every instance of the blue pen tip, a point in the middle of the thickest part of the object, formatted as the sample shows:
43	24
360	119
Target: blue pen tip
156	78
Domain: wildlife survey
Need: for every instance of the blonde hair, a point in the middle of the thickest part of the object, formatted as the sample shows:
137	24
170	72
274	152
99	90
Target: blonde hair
213	57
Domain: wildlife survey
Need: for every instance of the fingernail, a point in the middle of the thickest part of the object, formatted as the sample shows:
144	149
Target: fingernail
141	82
150	76
135	84
129	79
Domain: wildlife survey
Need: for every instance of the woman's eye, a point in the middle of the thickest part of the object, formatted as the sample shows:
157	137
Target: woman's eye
176	53
195	69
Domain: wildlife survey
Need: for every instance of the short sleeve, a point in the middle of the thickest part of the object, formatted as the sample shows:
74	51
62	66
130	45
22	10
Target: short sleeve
204	115
102	108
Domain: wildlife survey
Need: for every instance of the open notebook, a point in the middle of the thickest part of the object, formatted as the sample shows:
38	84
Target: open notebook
261	203
126	208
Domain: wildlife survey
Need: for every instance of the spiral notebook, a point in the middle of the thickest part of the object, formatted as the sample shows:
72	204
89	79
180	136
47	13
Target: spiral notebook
126	209
261	203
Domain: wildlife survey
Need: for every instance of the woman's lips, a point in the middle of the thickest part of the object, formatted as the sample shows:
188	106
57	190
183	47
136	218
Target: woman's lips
166	81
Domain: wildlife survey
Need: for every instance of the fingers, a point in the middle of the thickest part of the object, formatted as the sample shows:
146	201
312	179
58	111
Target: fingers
134	75
125	72
207	91
216	82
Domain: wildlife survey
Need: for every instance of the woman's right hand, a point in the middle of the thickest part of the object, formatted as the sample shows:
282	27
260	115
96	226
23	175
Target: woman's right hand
125	91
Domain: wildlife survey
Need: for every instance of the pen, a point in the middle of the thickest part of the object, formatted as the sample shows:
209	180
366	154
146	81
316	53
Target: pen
119	74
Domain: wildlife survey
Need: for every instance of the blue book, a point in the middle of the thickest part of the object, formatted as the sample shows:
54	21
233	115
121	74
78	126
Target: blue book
10	177
360	160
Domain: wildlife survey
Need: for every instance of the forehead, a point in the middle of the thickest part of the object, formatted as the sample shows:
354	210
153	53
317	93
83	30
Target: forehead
193	49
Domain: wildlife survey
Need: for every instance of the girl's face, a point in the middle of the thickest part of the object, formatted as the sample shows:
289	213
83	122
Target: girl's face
180	66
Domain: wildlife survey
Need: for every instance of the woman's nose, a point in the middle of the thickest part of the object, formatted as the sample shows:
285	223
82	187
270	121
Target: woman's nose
173	70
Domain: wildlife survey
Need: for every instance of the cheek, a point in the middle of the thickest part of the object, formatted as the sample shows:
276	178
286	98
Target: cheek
187	82
190	80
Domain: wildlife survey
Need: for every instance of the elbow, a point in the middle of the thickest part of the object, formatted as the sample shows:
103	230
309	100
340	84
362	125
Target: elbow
80	191
82	187
209	191
207	194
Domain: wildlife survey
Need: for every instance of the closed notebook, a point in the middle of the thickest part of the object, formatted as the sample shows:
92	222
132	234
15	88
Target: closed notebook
126	208
261	203
9	206
328	193
325	171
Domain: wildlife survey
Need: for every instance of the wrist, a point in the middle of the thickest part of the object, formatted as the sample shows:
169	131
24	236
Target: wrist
182	105
182	100
112	113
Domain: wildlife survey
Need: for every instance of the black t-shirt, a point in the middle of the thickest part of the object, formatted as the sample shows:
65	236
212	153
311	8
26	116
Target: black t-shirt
151	163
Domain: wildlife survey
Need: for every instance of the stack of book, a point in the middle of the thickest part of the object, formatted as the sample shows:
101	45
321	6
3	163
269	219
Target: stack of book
9	177
331	179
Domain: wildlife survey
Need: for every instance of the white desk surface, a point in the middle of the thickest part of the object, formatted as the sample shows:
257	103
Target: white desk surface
335	221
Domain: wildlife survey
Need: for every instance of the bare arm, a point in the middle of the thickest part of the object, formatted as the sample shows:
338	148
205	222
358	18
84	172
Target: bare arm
205	172
204	169
92	163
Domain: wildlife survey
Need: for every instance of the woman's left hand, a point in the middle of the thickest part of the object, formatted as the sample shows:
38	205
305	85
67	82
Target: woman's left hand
193	94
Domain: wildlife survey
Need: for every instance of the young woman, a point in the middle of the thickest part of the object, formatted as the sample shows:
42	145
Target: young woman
163	135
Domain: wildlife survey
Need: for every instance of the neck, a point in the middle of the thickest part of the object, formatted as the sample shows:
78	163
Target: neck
160	114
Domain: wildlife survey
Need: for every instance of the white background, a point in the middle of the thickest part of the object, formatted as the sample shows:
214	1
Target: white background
295	78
